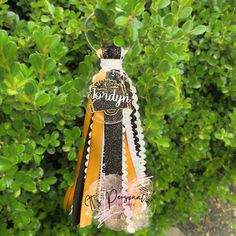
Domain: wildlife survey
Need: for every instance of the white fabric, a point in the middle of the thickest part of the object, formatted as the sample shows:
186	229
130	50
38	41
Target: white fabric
111	64
123	52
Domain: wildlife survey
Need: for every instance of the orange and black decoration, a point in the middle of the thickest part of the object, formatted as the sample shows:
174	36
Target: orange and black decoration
111	185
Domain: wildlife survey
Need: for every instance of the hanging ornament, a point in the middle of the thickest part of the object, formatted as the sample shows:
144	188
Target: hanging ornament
111	185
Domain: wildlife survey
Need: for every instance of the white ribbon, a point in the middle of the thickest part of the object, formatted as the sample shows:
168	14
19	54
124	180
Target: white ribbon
111	64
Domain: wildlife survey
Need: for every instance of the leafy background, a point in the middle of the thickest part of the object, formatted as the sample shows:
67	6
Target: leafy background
182	60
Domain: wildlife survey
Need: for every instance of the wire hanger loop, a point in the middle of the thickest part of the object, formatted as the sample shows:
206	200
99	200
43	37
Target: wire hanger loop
86	33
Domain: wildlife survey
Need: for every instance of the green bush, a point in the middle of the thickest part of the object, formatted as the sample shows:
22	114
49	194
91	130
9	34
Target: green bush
182	61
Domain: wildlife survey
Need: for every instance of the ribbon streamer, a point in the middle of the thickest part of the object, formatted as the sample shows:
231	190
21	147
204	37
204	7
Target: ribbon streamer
111	184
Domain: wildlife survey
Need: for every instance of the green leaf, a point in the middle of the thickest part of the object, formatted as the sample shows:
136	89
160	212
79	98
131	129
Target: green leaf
122	20
41	98
12	92
19	148
66	148
21	219
51	180
50	65
118	41
188	26
164	66
74	97
50	80
79	142
3	38
174	7
200	29
178	34
25	180
232	28
40	150
168	19
36	60
164	142
185	13
39	40
76	132
101	16
44	186
164	3
83	68
139	8
55	135
50	8
51	150
45	18
71	155
30	88
36	120
5	164
137	24
3	184
18	206
10	51
29	186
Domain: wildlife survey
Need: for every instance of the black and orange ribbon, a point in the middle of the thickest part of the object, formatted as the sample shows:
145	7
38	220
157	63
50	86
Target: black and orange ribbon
111	184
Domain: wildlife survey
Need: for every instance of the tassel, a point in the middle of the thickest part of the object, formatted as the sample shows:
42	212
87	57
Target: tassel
111	185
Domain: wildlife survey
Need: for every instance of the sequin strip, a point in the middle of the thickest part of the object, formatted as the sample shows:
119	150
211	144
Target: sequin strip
99	196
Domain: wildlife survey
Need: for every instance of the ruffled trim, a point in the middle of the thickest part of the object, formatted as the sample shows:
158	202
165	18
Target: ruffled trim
88	149
124	191
136	156
131	143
